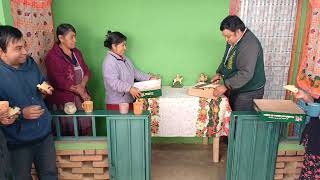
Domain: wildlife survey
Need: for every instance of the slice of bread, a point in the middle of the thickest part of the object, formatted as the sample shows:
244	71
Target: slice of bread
291	88
44	86
13	111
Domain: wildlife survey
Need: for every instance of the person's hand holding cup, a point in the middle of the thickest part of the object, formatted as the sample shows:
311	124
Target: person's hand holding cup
8	120
4	107
7	117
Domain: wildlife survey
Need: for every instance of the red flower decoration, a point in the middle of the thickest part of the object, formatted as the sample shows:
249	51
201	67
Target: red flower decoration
202	117
19	12
154	123
210	131
154	130
200	133
203	104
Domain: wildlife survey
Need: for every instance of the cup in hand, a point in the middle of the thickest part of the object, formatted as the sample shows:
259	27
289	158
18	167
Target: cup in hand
4	105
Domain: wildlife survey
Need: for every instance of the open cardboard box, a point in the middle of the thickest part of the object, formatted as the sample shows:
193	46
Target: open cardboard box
205	90
279	110
149	89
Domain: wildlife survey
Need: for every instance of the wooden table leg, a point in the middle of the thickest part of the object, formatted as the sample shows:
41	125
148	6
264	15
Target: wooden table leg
205	140
215	148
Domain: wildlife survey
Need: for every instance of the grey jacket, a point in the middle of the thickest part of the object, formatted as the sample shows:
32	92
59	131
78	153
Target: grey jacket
248	73
119	75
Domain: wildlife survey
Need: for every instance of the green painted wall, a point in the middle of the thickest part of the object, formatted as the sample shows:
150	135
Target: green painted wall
2	20
164	37
5	12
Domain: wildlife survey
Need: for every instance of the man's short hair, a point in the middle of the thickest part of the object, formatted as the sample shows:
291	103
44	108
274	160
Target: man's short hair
232	23
9	34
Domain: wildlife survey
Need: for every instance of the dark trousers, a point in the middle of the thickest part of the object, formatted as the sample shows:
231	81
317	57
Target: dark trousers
42	154
244	101
4	158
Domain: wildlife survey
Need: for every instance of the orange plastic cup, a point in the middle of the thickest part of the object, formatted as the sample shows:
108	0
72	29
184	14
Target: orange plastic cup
138	108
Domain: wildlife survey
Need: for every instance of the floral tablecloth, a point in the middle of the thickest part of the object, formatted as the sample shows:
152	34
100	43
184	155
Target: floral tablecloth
176	114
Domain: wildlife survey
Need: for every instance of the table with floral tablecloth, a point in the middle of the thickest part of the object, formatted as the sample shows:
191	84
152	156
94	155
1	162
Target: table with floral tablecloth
176	114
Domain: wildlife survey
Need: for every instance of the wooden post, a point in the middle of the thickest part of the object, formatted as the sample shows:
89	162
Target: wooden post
215	149
205	140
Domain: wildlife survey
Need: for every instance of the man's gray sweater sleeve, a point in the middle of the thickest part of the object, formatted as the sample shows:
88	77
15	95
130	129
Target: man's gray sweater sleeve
246	63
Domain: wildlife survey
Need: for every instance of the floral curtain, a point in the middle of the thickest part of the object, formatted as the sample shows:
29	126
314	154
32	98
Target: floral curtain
308	77
34	19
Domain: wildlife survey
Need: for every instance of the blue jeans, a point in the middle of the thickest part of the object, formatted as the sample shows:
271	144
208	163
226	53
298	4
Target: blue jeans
42	154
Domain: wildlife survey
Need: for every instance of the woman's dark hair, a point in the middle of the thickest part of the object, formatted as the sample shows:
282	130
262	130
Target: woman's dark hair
9	34
114	38
232	23
63	29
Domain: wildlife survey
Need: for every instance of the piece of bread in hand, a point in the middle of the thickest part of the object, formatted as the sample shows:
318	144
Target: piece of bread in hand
291	88
13	111
44	86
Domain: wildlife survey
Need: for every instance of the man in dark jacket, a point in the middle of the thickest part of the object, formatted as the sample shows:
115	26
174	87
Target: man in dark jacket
242	67
29	138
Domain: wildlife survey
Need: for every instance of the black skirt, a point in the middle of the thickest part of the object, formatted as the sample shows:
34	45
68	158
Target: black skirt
312	131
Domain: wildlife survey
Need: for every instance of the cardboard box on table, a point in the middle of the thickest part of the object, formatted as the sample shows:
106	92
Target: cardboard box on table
279	111
205	91
149	89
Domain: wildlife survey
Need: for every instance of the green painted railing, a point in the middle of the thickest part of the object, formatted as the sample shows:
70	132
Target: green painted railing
253	146
100	114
